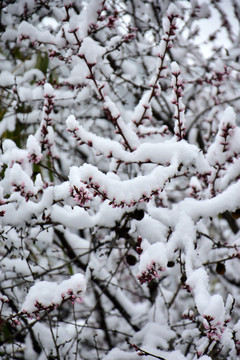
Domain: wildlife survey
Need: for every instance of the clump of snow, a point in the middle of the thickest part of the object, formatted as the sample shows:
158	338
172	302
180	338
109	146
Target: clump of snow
175	68
91	50
72	123
18	177
198	281
153	261
34	149
48	89
6	78
227	139
30	31
44	294
79	73
173	10
215	308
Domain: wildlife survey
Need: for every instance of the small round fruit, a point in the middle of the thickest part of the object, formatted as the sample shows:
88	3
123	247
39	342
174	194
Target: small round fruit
131	259
236	214
183	279
170	264
138	214
220	268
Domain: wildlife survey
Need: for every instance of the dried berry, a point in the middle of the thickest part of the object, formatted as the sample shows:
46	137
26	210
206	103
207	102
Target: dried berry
183	279
236	214
220	268
131	259
138	215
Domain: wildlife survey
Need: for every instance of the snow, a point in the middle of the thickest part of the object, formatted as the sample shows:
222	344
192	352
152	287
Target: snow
87	16
175	68
48	89
49	293
118	354
72	123
21	267
6	78
9	35
140	109
227	200
149	152
215	309
19	177
34	34
91	50
155	253
75	217
123	191
127	131
34	148
166	25
79	73
158	335
124	154
173	10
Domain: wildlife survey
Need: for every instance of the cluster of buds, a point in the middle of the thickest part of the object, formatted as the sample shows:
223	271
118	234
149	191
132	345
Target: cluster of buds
101	17
162	132
46	144
12	318
80	195
177	85
189	315
69	296
4	299
195	188
215	80
141	352
34	158
204	178
214	331
171	31
39	308
195	192
129	37
143	199
139	250
15	322
151	273
112	20
21	189
236	255
72	297
48	108
226	131
219	77
109	115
